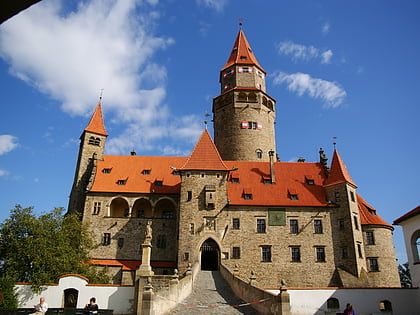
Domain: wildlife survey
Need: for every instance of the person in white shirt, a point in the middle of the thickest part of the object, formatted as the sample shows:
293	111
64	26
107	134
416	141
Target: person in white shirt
41	308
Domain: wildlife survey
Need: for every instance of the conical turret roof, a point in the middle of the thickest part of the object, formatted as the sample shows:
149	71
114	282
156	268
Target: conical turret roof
205	155
338	173
96	123
242	53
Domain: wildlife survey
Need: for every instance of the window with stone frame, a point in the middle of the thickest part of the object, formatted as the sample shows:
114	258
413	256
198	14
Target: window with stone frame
359	250
236	224
161	241
370	238
373	264
320	254
356	222
352	196
189	195
236	252
295	251
318	226
106	239
344	252
97	207
266	253
261	226
294	226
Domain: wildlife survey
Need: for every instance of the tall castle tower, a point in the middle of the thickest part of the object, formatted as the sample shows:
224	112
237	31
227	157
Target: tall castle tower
243	113
92	145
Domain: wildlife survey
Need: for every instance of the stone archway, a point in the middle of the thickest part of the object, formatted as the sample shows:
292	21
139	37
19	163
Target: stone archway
210	255
70	298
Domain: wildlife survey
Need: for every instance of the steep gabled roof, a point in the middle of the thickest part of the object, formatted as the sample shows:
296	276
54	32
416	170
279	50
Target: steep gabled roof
291	178
368	214
410	214
126	173
96	123
205	156
338	173
242	53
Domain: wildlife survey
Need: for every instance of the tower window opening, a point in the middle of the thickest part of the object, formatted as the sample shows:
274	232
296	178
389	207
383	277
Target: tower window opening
243	58
370	238
373	264
259	154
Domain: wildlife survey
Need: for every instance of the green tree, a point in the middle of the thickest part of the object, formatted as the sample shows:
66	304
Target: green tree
38	250
405	277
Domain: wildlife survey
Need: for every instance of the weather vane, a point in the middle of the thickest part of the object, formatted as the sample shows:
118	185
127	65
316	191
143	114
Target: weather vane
240	22
334	143
205	121
100	95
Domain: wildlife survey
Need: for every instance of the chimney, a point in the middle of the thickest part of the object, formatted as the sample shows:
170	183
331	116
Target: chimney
272	173
133	152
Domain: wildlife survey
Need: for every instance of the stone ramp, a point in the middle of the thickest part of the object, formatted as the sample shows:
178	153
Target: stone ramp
212	291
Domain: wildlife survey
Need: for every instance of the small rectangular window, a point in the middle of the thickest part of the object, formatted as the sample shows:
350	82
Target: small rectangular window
318	227
106	239
192	231
261	227
370	238
373	264
293	197
344	253
167	214
295	254
158	183
320	254
121	182
341	225
161	241
186	256
294	226
356	222
236	223
106	170
248	196
236	252
189	195
309	180
359	250
146	172
352	196
96	207
266	253
235	180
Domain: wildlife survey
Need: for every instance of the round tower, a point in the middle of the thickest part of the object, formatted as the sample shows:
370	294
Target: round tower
243	113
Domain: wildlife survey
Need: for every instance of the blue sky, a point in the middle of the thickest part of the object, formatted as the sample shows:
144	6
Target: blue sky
345	69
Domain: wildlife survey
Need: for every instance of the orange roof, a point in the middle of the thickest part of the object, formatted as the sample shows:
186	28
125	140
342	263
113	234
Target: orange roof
205	155
408	215
289	177
368	213
130	264
96	123
129	168
242	53
338	173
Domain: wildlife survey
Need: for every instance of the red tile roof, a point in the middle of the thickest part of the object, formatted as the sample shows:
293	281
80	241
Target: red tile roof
368	214
338	173
130	168
242	53
410	214
205	155
289	177
96	123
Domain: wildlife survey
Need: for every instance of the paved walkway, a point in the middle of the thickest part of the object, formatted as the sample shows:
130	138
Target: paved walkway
210	289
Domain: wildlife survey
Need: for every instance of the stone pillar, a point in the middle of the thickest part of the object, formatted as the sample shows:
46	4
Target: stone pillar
252	279
147	305
284	299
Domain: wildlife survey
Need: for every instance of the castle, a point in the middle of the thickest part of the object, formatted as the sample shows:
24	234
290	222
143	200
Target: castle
232	201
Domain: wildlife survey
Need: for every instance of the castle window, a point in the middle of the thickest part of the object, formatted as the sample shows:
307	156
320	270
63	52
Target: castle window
294	226
385	306
186	256
337	196
373	264
106	240
245	69
370	238
176	173
318	227
96	207
356	223
352	196
161	241
293	194
295	251
359	250
120	242
236	252
243	58
192	228
121	182
236	223
167	214
203	175
320	254
158	182
189	195
344	252
266	253
259	154
267	180
247	194
261	227
333	303
341	225
244	124
146	171
94	141
106	170
228	73
309	180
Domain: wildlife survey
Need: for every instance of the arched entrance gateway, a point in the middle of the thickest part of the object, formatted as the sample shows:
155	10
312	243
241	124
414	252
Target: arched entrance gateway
210	255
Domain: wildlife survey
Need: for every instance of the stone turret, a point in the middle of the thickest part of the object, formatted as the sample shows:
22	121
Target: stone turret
244	113
92	145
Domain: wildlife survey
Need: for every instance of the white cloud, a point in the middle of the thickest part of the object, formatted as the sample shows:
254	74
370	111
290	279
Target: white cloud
301	52
107	44
325	28
7	143
329	92
218	5
3	173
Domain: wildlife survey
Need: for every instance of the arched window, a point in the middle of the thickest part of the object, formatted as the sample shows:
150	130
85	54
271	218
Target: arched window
259	154
242	97
385	306
119	208
252	97
142	209
165	209
333	304
415	246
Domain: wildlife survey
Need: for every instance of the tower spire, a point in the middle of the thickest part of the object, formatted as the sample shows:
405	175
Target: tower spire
96	123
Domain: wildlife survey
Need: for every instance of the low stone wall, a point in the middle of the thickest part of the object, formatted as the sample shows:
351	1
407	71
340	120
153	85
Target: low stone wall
273	304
